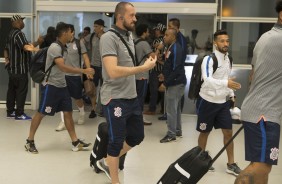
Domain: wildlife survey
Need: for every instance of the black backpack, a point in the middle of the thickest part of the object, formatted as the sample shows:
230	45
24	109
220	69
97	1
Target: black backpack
37	65
196	77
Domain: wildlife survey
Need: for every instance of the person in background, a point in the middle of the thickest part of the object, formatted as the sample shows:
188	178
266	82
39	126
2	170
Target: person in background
76	49
262	107
17	55
212	108
118	93
55	96
154	82
49	38
93	40
174	84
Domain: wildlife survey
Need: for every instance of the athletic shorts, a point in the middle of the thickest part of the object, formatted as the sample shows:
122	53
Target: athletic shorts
125	123
97	76
75	87
262	141
212	115
54	99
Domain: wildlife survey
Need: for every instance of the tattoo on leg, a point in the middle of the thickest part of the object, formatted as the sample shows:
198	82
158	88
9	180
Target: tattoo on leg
245	178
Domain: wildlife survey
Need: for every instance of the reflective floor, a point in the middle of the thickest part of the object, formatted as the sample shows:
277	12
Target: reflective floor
145	164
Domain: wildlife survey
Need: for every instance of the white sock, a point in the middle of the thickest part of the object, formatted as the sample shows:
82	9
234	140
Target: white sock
62	116
81	110
105	163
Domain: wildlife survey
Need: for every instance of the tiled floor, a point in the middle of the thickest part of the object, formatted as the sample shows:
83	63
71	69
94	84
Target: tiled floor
145	164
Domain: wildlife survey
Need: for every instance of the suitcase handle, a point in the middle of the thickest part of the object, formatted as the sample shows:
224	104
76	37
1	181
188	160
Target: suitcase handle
225	146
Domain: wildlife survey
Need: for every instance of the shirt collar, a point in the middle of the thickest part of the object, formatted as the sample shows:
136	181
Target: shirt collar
121	31
221	55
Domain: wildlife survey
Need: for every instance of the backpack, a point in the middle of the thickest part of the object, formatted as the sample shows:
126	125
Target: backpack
196	77
37	65
136	59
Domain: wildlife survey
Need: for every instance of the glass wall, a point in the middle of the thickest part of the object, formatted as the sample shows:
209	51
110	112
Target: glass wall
160	1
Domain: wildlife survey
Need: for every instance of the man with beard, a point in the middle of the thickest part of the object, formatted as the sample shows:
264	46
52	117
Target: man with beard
118	93
212	107
17	55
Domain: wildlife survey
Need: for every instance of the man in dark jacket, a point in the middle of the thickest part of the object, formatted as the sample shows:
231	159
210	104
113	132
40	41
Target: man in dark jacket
174	83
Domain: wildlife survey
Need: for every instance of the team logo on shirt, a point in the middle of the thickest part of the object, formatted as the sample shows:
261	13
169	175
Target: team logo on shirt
117	112
274	153
203	126
48	109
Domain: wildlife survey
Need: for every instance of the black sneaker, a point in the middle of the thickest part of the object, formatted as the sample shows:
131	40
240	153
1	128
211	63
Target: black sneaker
79	145
30	146
11	115
163	117
211	169
92	114
168	138
179	134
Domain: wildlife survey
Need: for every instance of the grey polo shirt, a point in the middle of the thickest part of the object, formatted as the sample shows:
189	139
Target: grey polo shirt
72	58
142	49
264	98
123	87
57	77
95	51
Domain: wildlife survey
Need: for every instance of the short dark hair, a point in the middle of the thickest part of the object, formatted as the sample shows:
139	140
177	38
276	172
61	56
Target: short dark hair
140	29
219	32
71	27
61	28
175	22
87	29
278	6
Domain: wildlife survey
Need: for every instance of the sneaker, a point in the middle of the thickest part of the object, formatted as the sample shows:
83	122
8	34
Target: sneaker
61	127
233	169
168	138
30	146
179	134
11	115
92	114
79	145
163	117
23	117
146	122
101	165
80	120
211	169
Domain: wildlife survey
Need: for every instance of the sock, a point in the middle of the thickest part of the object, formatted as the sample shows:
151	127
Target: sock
62	116
105	163
81	110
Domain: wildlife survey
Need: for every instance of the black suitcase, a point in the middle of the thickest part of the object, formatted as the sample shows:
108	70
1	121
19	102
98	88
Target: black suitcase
99	150
191	166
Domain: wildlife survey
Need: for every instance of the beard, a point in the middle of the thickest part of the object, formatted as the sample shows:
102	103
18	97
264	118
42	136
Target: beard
223	49
128	26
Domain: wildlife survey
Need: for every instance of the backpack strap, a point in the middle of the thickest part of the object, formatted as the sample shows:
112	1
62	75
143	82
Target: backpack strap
48	71
215	61
77	42
136	43
91	38
123	41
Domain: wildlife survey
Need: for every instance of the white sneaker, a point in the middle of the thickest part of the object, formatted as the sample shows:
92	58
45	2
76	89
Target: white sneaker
61	126
80	120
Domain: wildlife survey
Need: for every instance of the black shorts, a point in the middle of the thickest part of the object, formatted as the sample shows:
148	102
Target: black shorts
213	115
125	123
75	87
54	99
262	141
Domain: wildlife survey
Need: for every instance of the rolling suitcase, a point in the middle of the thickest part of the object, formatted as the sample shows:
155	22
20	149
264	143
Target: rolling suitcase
99	150
191	166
